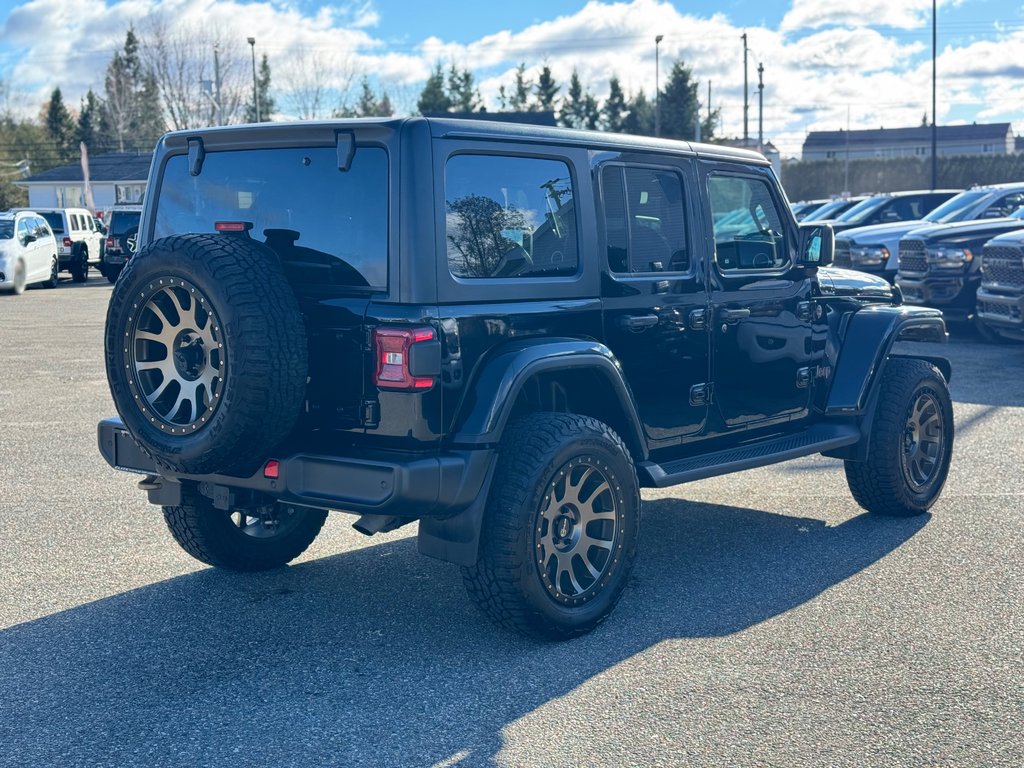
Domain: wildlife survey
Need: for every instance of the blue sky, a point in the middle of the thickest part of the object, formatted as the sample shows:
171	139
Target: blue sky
824	61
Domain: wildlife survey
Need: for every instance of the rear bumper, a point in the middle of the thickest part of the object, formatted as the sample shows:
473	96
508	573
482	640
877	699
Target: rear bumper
439	485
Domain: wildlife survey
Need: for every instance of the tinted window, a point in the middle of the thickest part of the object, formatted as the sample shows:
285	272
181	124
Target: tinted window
6	229
56	222
1005	205
644	220
509	217
122	222
329	227
956	208
747	226
862	210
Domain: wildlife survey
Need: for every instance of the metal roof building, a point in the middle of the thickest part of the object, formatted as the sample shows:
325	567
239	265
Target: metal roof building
974	139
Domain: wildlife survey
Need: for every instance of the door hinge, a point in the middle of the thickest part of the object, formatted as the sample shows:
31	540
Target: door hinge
369	413
701	394
803	310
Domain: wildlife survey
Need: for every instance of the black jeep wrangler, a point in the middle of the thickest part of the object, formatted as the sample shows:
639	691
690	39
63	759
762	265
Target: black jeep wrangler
502	332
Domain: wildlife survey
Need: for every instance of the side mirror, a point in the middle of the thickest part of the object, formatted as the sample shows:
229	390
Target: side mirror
26	239
817	245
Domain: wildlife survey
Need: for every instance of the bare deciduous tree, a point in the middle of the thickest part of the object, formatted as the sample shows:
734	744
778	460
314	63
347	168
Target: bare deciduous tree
202	73
317	84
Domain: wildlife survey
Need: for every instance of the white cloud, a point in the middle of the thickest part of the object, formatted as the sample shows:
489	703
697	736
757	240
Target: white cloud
814	71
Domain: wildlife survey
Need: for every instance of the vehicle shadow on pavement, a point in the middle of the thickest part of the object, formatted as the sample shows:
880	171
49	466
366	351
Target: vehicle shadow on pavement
375	656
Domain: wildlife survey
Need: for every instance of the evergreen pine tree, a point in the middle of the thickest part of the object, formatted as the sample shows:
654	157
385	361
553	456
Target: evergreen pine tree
60	127
579	109
268	105
546	91
680	109
520	97
613	114
433	97
87	131
461	90
640	118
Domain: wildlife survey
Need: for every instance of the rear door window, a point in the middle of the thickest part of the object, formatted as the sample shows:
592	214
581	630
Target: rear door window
645	220
330	227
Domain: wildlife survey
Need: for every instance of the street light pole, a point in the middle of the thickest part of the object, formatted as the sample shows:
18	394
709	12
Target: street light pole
255	90
746	94
935	122
760	107
657	87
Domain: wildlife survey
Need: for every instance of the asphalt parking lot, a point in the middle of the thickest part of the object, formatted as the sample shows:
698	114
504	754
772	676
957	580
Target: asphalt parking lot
768	621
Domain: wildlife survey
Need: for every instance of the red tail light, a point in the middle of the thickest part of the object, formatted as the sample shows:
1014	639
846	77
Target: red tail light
110	242
67	242
232	226
394	357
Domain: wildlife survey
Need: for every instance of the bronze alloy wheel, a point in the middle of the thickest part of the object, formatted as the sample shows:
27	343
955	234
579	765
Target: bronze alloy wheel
578	532
923	441
175	355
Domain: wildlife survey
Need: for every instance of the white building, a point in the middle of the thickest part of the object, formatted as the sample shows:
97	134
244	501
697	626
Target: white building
974	139
117	177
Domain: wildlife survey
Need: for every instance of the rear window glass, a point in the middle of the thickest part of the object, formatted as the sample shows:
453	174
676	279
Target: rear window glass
509	217
56	222
122	222
328	226
6	230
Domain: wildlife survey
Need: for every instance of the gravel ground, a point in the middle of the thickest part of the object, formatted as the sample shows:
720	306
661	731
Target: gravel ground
768	621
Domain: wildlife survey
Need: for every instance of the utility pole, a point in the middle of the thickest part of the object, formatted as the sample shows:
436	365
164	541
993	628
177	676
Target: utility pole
216	84
746	94
760	107
657	88
709	102
935	122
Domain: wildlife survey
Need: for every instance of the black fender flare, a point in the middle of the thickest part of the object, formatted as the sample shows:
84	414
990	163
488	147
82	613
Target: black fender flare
867	348
481	420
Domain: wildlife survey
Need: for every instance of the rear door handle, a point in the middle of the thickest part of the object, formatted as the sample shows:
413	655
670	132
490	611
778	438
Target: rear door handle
733	315
638	322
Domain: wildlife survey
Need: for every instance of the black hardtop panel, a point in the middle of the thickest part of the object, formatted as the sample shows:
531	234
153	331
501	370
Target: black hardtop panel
291	134
512	132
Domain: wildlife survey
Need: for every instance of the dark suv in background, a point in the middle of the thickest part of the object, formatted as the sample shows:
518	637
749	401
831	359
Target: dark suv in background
502	332
889	207
875	249
121	241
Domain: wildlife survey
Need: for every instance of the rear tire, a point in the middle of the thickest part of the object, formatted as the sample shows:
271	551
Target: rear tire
112	274
54	278
561	527
911	442
80	266
242	540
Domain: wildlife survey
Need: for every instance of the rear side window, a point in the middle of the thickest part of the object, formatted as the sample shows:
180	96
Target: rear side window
329	227
644	220
509	217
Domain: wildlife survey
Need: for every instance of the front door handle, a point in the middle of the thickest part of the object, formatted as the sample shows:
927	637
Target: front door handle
638	322
733	315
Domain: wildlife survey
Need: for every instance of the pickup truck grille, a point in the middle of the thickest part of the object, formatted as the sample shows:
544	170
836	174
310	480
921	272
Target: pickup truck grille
913	259
1002	266
842	254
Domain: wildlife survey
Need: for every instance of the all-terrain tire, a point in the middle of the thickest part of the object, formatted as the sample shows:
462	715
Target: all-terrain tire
544	461
254	338
911	442
215	537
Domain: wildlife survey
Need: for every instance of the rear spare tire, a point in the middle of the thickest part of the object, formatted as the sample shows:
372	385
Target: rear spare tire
206	352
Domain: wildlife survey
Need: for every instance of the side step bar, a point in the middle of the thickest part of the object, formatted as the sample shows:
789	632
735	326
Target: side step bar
821	437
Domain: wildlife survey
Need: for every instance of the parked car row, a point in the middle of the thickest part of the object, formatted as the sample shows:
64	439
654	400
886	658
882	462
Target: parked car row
28	252
938	258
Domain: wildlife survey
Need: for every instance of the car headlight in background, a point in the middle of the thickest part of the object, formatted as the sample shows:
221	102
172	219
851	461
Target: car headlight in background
869	255
948	256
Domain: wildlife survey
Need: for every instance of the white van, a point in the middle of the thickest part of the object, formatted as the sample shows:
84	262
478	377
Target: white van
79	239
28	252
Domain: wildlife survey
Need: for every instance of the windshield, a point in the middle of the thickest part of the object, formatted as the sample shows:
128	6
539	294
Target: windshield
828	210
863	209
6	230
957	208
56	222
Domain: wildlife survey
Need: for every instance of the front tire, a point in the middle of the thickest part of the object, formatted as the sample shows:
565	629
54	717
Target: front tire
561	528
18	279
911	442
242	539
